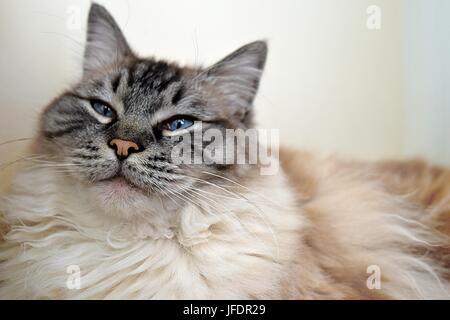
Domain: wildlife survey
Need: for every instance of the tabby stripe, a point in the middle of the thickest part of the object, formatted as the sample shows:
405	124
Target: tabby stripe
116	82
59	133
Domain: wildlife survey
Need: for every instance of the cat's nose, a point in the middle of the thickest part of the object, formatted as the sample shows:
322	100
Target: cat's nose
124	147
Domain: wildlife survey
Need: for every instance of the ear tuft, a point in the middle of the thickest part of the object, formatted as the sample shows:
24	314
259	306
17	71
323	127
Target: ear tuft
237	76
105	43
253	55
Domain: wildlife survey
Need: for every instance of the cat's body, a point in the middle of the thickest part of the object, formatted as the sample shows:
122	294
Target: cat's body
132	224
314	235
223	251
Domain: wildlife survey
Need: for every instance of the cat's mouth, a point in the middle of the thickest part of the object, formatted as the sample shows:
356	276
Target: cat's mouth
122	182
119	196
119	184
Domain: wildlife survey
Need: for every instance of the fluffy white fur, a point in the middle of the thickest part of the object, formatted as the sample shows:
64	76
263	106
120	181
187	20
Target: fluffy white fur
251	246
222	251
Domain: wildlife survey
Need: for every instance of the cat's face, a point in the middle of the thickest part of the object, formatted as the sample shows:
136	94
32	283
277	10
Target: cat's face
118	126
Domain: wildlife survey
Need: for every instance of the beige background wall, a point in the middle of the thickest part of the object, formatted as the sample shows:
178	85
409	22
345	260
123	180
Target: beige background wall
426	26
331	84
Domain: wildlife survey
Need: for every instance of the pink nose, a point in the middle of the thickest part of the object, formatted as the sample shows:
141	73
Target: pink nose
124	147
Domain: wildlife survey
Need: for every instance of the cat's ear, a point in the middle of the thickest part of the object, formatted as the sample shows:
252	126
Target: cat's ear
105	43
237	76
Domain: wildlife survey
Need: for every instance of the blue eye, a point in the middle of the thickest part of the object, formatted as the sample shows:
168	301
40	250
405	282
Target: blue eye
102	109
180	123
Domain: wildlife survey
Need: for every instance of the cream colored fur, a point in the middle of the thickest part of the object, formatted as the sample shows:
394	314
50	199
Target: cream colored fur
268	242
237	253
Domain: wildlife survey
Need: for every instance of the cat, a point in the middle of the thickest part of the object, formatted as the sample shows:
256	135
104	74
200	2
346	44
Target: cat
100	211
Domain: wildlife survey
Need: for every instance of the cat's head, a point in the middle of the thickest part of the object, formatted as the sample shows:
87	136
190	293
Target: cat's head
118	126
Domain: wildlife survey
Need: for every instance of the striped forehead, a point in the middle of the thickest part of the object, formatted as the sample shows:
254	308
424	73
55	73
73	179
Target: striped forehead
147	84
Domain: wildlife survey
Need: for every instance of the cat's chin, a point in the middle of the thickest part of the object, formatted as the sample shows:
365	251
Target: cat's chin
118	188
119	198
